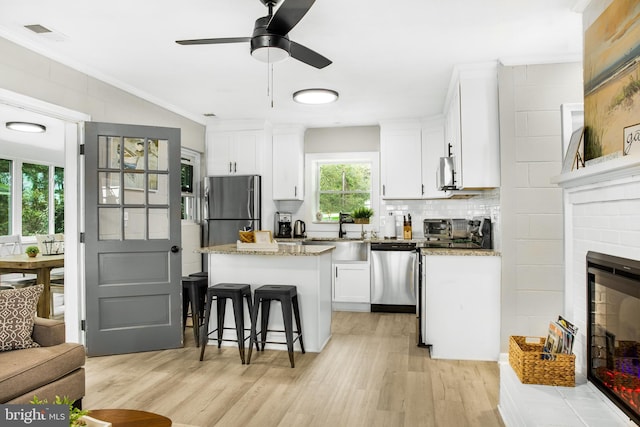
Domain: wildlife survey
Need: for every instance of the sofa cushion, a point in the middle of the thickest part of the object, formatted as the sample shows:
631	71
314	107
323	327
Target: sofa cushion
17	314
24	370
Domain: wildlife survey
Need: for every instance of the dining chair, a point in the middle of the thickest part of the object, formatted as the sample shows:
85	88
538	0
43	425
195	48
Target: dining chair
50	244
12	245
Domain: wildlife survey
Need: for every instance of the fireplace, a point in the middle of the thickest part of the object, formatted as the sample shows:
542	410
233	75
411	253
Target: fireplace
613	329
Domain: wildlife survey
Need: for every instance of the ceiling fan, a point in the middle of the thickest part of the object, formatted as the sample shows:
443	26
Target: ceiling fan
270	42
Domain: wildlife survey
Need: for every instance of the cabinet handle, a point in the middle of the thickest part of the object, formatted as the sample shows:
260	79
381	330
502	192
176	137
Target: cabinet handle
229	167
295	191
423	189
336	272
383	190
235	167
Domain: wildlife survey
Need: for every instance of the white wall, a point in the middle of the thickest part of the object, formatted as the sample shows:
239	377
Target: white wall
531	207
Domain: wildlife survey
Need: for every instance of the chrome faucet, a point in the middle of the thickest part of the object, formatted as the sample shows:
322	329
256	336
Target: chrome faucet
345	218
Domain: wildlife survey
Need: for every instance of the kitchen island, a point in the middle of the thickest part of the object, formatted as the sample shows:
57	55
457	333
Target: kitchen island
307	267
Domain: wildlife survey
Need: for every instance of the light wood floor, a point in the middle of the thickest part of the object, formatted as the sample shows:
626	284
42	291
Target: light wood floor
370	374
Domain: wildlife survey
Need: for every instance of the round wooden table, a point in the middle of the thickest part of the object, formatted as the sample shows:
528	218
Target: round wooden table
130	418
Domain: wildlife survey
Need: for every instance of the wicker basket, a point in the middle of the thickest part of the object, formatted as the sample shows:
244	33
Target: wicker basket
531	365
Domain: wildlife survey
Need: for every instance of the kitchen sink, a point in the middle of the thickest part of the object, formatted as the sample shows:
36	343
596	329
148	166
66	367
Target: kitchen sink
346	249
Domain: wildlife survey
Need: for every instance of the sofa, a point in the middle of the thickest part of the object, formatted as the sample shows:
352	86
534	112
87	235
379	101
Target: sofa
53	369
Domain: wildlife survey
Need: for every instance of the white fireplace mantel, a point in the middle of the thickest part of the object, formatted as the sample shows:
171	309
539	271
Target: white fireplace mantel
603	172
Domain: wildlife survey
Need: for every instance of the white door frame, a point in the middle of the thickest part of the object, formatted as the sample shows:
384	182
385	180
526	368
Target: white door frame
73	203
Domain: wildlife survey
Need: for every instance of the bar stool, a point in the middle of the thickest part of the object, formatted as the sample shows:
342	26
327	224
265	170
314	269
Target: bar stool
200	274
194	290
223	291
288	297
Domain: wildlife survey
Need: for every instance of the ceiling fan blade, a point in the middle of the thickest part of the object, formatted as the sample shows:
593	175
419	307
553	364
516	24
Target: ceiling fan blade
215	41
288	15
308	56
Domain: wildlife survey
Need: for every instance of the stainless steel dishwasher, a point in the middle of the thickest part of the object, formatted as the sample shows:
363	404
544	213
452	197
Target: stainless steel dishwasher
393	277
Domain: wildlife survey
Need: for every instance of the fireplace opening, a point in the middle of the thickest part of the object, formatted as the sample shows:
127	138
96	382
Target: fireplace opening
613	329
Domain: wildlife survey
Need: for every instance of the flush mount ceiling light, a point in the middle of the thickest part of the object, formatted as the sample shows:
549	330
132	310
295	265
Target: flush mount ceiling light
315	96
26	127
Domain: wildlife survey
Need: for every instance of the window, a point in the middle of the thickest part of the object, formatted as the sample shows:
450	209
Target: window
189	173
5	196
31	198
339	182
343	187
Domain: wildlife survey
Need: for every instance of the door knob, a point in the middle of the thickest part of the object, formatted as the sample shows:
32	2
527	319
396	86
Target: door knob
175	249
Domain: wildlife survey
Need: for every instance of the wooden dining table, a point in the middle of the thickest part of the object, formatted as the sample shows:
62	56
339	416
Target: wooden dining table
41	265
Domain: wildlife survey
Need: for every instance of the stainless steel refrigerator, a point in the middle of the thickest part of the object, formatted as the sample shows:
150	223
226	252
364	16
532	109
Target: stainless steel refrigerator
231	203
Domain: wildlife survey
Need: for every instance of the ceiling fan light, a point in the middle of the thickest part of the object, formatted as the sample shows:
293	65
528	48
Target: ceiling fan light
315	96
26	127
270	55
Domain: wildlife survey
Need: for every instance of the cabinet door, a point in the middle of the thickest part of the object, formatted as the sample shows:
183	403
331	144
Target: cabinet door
432	149
288	166
351	283
454	136
401	163
479	130
245	152
218	155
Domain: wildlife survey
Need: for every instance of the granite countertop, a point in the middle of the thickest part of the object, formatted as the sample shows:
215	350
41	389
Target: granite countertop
459	252
283	250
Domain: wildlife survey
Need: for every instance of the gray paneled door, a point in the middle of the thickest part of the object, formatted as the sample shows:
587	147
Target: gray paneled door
132	238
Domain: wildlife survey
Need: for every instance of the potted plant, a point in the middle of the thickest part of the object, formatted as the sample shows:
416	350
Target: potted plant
362	215
32	251
75	414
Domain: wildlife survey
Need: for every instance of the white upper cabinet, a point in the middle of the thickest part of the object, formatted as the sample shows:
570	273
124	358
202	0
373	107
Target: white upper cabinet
472	126
288	164
433	139
233	152
401	160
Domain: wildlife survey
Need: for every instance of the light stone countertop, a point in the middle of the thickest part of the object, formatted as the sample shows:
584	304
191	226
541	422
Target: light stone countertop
283	250
459	252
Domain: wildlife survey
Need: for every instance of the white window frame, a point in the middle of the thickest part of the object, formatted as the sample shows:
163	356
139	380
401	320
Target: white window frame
192	157
313	160
16	196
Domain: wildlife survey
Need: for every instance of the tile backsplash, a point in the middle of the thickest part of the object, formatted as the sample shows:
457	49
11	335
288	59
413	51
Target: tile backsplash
487	204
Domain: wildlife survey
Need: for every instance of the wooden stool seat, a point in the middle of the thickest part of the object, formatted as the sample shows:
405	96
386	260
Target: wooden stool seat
288	297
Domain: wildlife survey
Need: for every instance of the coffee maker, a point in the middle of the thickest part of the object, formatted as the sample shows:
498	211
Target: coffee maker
283	224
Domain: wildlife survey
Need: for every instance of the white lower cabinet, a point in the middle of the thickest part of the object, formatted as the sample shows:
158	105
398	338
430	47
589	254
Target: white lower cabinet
351	282
462	306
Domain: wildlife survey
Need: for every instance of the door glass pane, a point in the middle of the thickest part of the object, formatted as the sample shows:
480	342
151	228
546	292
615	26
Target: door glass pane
158	154
159	189
133	153
109	224
108	152
35	199
108	188
158	223
134	196
135	224
133	181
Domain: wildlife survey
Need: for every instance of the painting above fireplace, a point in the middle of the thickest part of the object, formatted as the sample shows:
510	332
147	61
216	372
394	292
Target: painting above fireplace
613	329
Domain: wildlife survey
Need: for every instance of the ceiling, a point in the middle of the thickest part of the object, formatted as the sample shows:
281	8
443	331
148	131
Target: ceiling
391	60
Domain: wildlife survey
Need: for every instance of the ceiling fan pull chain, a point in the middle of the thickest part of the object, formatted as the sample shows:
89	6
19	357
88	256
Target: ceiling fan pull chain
271	83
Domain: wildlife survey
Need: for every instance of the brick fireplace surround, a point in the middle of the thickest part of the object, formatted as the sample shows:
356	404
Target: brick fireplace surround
602	214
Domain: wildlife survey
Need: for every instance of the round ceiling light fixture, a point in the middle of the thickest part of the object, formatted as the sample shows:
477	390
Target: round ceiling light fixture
315	96
26	127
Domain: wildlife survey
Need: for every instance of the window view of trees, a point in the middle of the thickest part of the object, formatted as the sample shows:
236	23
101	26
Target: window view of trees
5	197
58	200
343	187
35	199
